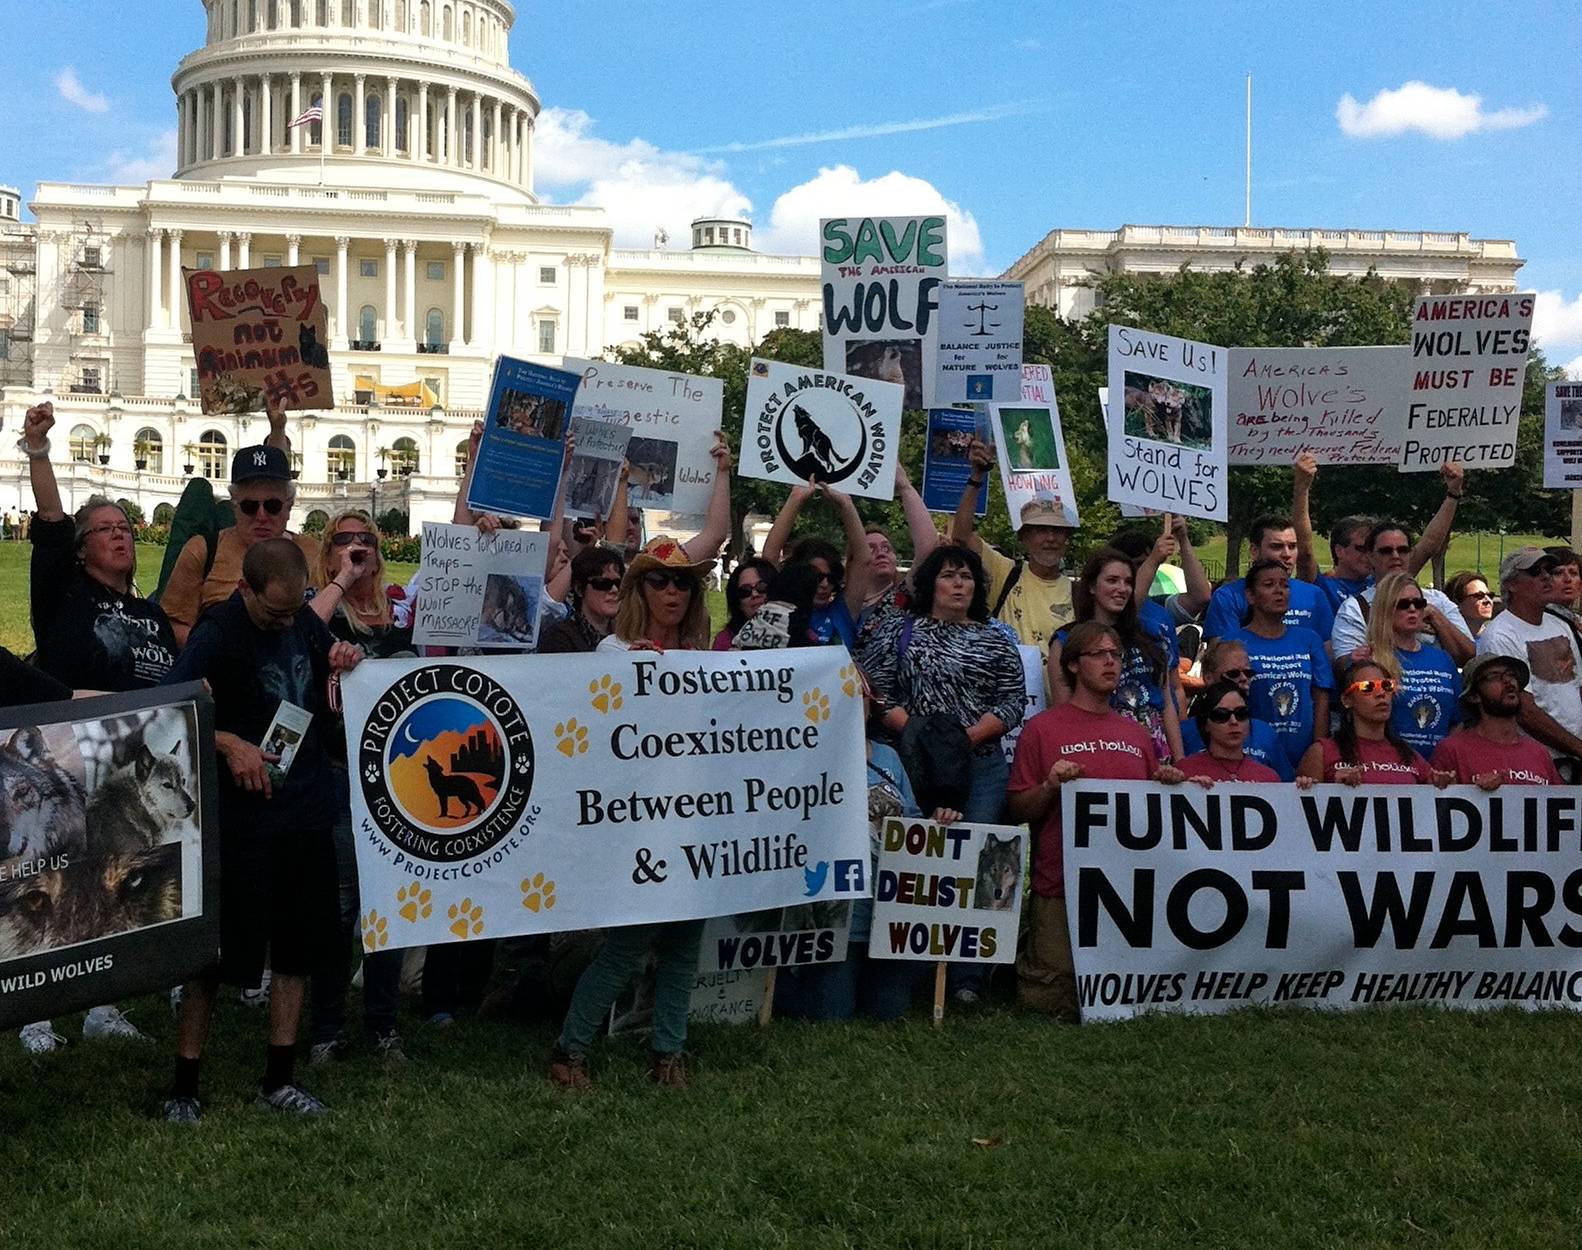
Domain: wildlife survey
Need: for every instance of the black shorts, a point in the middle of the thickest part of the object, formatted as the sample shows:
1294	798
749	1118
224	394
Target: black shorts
279	903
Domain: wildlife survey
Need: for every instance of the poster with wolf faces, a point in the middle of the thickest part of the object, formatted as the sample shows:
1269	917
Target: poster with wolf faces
979	360
109	850
1167	404
803	424
1032	457
673	418
257	335
496	796
881	280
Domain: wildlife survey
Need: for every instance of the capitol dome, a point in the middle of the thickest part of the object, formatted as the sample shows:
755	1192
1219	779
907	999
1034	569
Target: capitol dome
416	93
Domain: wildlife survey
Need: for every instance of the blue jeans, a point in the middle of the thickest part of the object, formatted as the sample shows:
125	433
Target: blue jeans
880	989
985	801
676	945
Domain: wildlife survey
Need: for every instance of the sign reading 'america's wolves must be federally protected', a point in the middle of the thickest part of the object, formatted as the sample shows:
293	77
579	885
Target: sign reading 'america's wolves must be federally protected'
631	787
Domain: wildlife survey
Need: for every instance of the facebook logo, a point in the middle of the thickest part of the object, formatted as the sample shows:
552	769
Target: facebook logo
849	875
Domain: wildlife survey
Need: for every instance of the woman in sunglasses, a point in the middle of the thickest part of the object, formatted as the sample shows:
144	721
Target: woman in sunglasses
1366	748
840	598
1470	593
746	590
350	595
1222	718
1291	677
1225	660
595	595
1427	704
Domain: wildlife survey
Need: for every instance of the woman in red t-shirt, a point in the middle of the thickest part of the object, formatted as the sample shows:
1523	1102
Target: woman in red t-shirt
1223	720
1366	749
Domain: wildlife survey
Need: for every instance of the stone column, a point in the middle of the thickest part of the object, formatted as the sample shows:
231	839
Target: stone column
244	248
387	133
266	117
527	155
508	144
173	281
327	124
360	115
225	248
417	140
156	313
409	321
296	112
496	145
458	293
216	121
390	290
293	249
342	246
238	134
480	295
451	155
475	152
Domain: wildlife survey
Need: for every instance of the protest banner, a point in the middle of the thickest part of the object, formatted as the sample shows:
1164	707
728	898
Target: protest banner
1342	405
945	465
979	359
524	440
782	937
257	335
595	468
881	280
1187	900
1563	436
1032	457
1034	677
479	590
1038	384
673	418
109	850
1167	423
630	788
1464	395
803	423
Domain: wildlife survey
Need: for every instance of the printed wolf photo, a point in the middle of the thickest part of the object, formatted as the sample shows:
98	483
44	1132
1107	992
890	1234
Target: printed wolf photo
1167	411
103	822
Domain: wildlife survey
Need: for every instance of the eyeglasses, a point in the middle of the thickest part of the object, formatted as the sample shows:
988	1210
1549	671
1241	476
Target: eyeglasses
658	579
1102	653
347	538
1480	595
830	578
603	583
1392	551
111	529
1411	605
1386	684
1236	674
250	507
1220	715
746	590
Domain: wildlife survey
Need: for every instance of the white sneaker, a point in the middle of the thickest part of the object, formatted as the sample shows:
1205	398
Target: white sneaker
39	1038
293	1099
109	1022
322	1053
254	998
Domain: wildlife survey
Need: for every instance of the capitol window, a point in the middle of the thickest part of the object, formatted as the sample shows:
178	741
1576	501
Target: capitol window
400	123
445	31
782	319
400	15
425	18
368	268
211	454
343	121
630	312
403	455
434	328
368	324
153	448
546	336
546	275
204	260
82	444
271	262
348	12
342	459
461	457
675	316
434	270
375	119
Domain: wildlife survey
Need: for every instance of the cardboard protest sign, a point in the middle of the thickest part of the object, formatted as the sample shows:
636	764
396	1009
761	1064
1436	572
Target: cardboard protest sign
804	423
1032	457
595	468
673	418
948	892
881	281
524	440
1167	423
1342	405
109	854
811	933
1563	435
979	360
1038	384
479	590
945	465
1469	362
259	334
1189	900
629	788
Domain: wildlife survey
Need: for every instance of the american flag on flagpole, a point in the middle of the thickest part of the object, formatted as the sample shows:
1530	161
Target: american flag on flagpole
314	114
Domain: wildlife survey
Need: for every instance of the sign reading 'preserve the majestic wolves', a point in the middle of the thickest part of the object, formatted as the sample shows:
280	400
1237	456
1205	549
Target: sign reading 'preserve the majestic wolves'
535	793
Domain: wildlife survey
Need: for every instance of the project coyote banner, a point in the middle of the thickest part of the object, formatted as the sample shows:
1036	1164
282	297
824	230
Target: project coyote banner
524	794
109	852
1187	900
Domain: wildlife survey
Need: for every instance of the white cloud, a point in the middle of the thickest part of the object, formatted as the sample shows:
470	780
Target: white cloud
1439	112
841	192
1557	320
72	91
156	160
1574	370
1028	45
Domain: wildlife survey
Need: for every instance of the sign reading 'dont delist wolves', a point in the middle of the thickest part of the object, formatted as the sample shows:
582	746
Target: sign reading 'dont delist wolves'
631	787
1469	362
804	423
259	334
109	850
1188	900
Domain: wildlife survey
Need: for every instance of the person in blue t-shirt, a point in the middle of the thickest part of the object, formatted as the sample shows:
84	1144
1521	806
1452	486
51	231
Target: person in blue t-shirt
1225	659
843	586
1273	540
1291	678
1427	705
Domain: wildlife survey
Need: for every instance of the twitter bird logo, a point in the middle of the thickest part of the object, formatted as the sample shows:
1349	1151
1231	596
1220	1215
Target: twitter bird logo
815	877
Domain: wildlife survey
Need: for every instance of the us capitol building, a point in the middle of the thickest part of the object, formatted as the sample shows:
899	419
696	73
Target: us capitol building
414	198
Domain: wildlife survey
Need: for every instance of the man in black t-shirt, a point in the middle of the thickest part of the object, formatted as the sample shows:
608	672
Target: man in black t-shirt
260	650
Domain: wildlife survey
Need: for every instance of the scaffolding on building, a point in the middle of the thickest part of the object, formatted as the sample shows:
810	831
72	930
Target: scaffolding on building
85	276
18	271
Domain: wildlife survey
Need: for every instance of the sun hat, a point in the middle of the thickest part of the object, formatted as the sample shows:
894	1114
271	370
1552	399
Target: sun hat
661	552
1479	664
1042	510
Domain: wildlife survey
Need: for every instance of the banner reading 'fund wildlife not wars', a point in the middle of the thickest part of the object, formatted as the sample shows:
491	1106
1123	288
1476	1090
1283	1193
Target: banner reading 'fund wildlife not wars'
497	796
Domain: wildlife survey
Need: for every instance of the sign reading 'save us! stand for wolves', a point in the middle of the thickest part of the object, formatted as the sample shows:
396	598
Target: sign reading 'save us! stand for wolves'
536	793
804	423
1182	899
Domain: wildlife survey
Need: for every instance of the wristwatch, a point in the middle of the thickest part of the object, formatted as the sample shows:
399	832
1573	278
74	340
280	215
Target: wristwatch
41	453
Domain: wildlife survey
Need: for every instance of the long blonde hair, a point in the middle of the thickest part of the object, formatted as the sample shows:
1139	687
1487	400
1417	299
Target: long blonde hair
360	623
631	616
1381	620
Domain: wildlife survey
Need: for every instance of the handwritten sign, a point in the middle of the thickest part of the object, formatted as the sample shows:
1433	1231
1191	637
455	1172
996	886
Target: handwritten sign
595	468
1032	457
479	590
1563	435
1038	384
979	360
1469	361
1342	405
257	335
804	423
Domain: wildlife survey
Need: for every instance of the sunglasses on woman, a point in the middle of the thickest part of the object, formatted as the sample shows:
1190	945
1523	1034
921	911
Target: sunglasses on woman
658	579
746	590
360	538
1482	596
1236	674
1220	715
250	507
1410	605
603	583
1386	684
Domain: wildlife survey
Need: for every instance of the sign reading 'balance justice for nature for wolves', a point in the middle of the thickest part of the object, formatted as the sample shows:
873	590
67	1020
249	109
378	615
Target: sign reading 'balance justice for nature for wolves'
1167	423
631	787
1182	899
259	334
980	343
948	892
805	423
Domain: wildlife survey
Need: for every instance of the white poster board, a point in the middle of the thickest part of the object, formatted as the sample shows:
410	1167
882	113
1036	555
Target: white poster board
479	590
1126	510
803	423
1167	423
1034	671
595	468
1031	453
1342	405
1468	366
1038	384
1563	436
980	343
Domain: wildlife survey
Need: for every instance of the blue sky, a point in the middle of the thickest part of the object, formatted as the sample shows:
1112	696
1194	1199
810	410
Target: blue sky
1016	117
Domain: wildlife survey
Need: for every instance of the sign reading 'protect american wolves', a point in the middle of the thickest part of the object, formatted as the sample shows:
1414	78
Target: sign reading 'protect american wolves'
260	335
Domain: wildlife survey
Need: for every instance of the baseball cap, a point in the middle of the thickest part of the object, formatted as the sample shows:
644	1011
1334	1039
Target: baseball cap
1523	560
260	462
1480	664
1042	511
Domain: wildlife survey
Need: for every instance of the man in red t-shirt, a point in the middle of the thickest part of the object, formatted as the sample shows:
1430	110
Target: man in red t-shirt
1080	738
1492	750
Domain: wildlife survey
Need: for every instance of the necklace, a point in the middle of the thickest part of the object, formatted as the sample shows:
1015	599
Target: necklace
1235	773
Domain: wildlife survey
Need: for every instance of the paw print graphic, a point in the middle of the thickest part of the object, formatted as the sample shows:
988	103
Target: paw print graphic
848	681
466	918
571	738
537	892
376	932
371	774
815	705
522	765
413	903
606	695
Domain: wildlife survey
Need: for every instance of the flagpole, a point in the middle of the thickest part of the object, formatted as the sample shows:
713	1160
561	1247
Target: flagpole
1247	221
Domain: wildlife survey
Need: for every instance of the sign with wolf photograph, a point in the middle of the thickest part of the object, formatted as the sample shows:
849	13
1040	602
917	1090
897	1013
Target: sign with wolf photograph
629	788
945	465
1563	436
1342	405
948	892
1038	384
673	418
524	440
595	468
881	280
979	360
479	590
1032	459
782	937
803	424
259	334
1167	423
109	851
